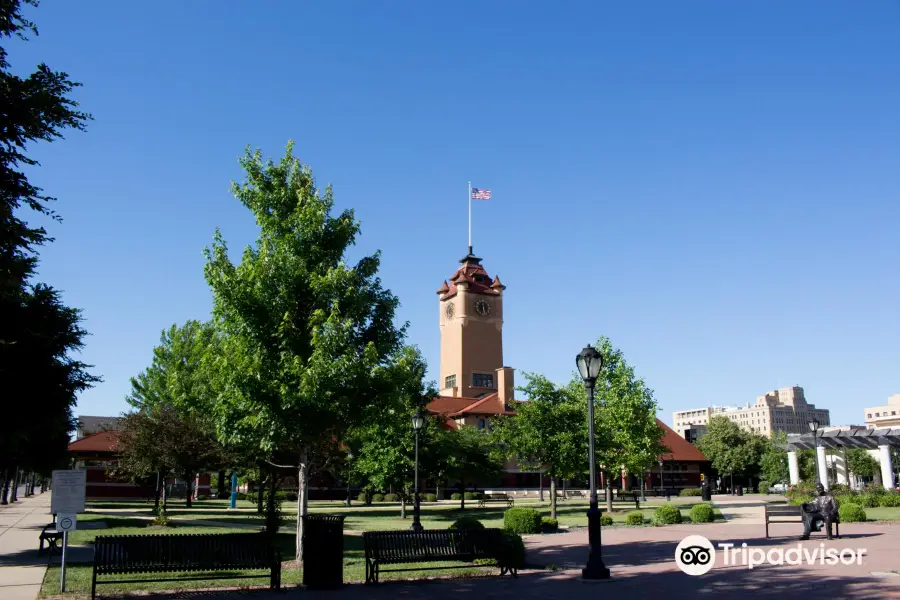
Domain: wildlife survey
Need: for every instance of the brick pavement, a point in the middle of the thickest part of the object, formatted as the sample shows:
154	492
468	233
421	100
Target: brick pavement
21	569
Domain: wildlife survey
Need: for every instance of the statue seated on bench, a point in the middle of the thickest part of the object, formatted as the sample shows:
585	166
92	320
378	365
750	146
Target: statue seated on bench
823	510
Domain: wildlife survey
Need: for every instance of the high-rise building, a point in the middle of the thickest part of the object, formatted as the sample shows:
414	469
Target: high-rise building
884	416
784	409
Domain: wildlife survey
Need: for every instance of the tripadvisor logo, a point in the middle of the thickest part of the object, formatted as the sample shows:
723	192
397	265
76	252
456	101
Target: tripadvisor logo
696	555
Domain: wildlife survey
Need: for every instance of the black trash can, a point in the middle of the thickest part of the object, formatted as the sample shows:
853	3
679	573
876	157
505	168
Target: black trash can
705	492
323	551
740	490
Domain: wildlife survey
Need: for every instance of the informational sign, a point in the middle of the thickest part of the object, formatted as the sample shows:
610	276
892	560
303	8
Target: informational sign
65	522
67	493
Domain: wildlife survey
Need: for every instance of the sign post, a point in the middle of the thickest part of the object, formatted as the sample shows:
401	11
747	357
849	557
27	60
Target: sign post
234	482
66	501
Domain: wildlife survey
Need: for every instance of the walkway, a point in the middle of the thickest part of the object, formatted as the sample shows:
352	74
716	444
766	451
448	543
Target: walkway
741	510
21	569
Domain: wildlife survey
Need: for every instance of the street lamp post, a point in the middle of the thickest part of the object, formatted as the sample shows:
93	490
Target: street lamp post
589	363
662	486
349	458
418	421
814	428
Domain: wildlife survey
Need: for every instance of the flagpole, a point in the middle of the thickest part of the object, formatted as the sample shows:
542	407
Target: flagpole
470	217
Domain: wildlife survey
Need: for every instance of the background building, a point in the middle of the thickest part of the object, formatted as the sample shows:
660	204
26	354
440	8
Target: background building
887	415
784	409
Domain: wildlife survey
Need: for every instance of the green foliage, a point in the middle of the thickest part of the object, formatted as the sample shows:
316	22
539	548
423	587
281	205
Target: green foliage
731	449
430	497
161	519
890	499
377	497
474	495
272	502
702	513
861	462
690	492
851	513
40	376
522	520
548	524
634	518
391	498
513	549
466	523
800	493
606	520
667	514
362	497
773	464
763	487
868	499
456	496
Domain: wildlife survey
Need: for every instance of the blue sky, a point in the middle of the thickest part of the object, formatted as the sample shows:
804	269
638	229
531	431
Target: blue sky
712	185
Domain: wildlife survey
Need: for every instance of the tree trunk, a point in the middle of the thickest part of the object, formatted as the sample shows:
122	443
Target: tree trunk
609	507
403	506
188	488
302	502
160	483
437	490
4	487
259	492
541	485
552	497
643	497
14	492
462	496
220	486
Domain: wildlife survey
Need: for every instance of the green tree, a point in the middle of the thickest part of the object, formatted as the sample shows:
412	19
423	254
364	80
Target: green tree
469	458
773	462
725	445
38	333
547	433
861	463
309	342
626	430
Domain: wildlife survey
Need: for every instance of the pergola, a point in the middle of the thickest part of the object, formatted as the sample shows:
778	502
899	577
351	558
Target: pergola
842	438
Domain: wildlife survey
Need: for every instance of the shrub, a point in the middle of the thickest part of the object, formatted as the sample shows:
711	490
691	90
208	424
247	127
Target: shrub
522	520
667	514
764	487
362	497
202	497
800	493
456	496
702	513
290	496
690	492
634	518
839	488
868	499
548	524
889	499
391	498
467	523
377	497
161	519
272	506
429	497
606	521
474	495
851	513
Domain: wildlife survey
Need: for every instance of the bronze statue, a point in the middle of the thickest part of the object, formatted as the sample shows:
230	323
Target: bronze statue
823	510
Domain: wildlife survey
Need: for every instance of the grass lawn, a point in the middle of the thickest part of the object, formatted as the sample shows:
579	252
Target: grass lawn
883	513
125	518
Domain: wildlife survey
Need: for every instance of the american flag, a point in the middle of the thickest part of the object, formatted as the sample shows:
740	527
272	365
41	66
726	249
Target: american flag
481	194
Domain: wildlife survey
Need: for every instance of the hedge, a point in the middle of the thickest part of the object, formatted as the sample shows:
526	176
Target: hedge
548	524
466	523
391	498
513	551
606	520
851	513
691	492
764	487
456	496
667	514
430	498
362	497
634	518
377	497
702	513
522	520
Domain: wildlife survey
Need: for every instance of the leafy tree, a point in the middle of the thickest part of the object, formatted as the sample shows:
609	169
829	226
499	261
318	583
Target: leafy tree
469	458
773	463
309	342
861	463
724	445
546	434
626	430
166	439
38	333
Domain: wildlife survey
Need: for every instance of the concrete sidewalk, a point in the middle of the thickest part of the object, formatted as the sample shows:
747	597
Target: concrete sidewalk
21	568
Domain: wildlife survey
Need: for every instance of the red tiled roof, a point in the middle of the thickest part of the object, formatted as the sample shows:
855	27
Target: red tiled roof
104	441
679	448
449	405
475	275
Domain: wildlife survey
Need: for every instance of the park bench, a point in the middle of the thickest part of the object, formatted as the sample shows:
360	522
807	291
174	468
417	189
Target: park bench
405	547
50	535
783	513
171	554
496	498
577	494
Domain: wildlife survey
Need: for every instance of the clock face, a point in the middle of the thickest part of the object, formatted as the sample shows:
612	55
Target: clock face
483	308
449	310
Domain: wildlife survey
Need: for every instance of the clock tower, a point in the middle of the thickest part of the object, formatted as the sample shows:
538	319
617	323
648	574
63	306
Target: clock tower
471	320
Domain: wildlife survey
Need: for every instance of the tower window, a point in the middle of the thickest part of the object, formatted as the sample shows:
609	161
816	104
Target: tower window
481	424
450	381
482	380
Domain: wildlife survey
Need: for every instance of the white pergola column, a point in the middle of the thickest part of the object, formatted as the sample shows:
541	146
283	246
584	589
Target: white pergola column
840	463
887	469
823	466
793	467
